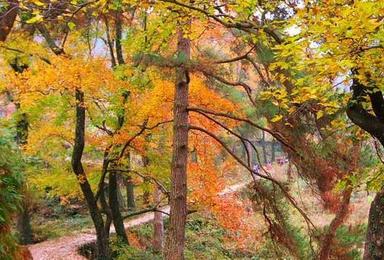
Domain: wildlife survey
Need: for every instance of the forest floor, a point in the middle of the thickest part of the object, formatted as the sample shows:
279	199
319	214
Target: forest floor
66	247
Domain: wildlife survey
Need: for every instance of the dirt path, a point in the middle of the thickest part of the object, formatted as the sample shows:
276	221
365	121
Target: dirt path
65	248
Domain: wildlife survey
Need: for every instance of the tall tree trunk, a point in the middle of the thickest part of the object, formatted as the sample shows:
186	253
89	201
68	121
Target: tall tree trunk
374	241
115	208
178	196
77	166
158	225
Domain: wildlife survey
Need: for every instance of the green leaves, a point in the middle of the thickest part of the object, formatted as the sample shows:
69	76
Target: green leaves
35	19
71	25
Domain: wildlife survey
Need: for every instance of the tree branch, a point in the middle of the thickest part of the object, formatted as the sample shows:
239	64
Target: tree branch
277	135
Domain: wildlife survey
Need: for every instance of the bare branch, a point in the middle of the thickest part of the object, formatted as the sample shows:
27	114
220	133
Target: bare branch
242	57
277	135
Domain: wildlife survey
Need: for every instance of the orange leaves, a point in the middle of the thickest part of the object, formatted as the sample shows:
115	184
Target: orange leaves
92	76
37	139
206	181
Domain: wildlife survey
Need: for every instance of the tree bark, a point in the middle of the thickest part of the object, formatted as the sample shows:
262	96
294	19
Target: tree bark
77	166
158	225
374	241
178	196
119	36
110	43
115	209
130	188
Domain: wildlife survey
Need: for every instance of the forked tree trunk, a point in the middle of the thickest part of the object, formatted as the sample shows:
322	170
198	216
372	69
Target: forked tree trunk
77	166
158	225
178	196
374	241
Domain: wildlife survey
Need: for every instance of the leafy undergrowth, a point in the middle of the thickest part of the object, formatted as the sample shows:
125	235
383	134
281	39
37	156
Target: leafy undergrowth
62	226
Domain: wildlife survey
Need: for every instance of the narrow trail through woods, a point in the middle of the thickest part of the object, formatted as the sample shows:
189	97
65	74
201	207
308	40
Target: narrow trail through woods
66	247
